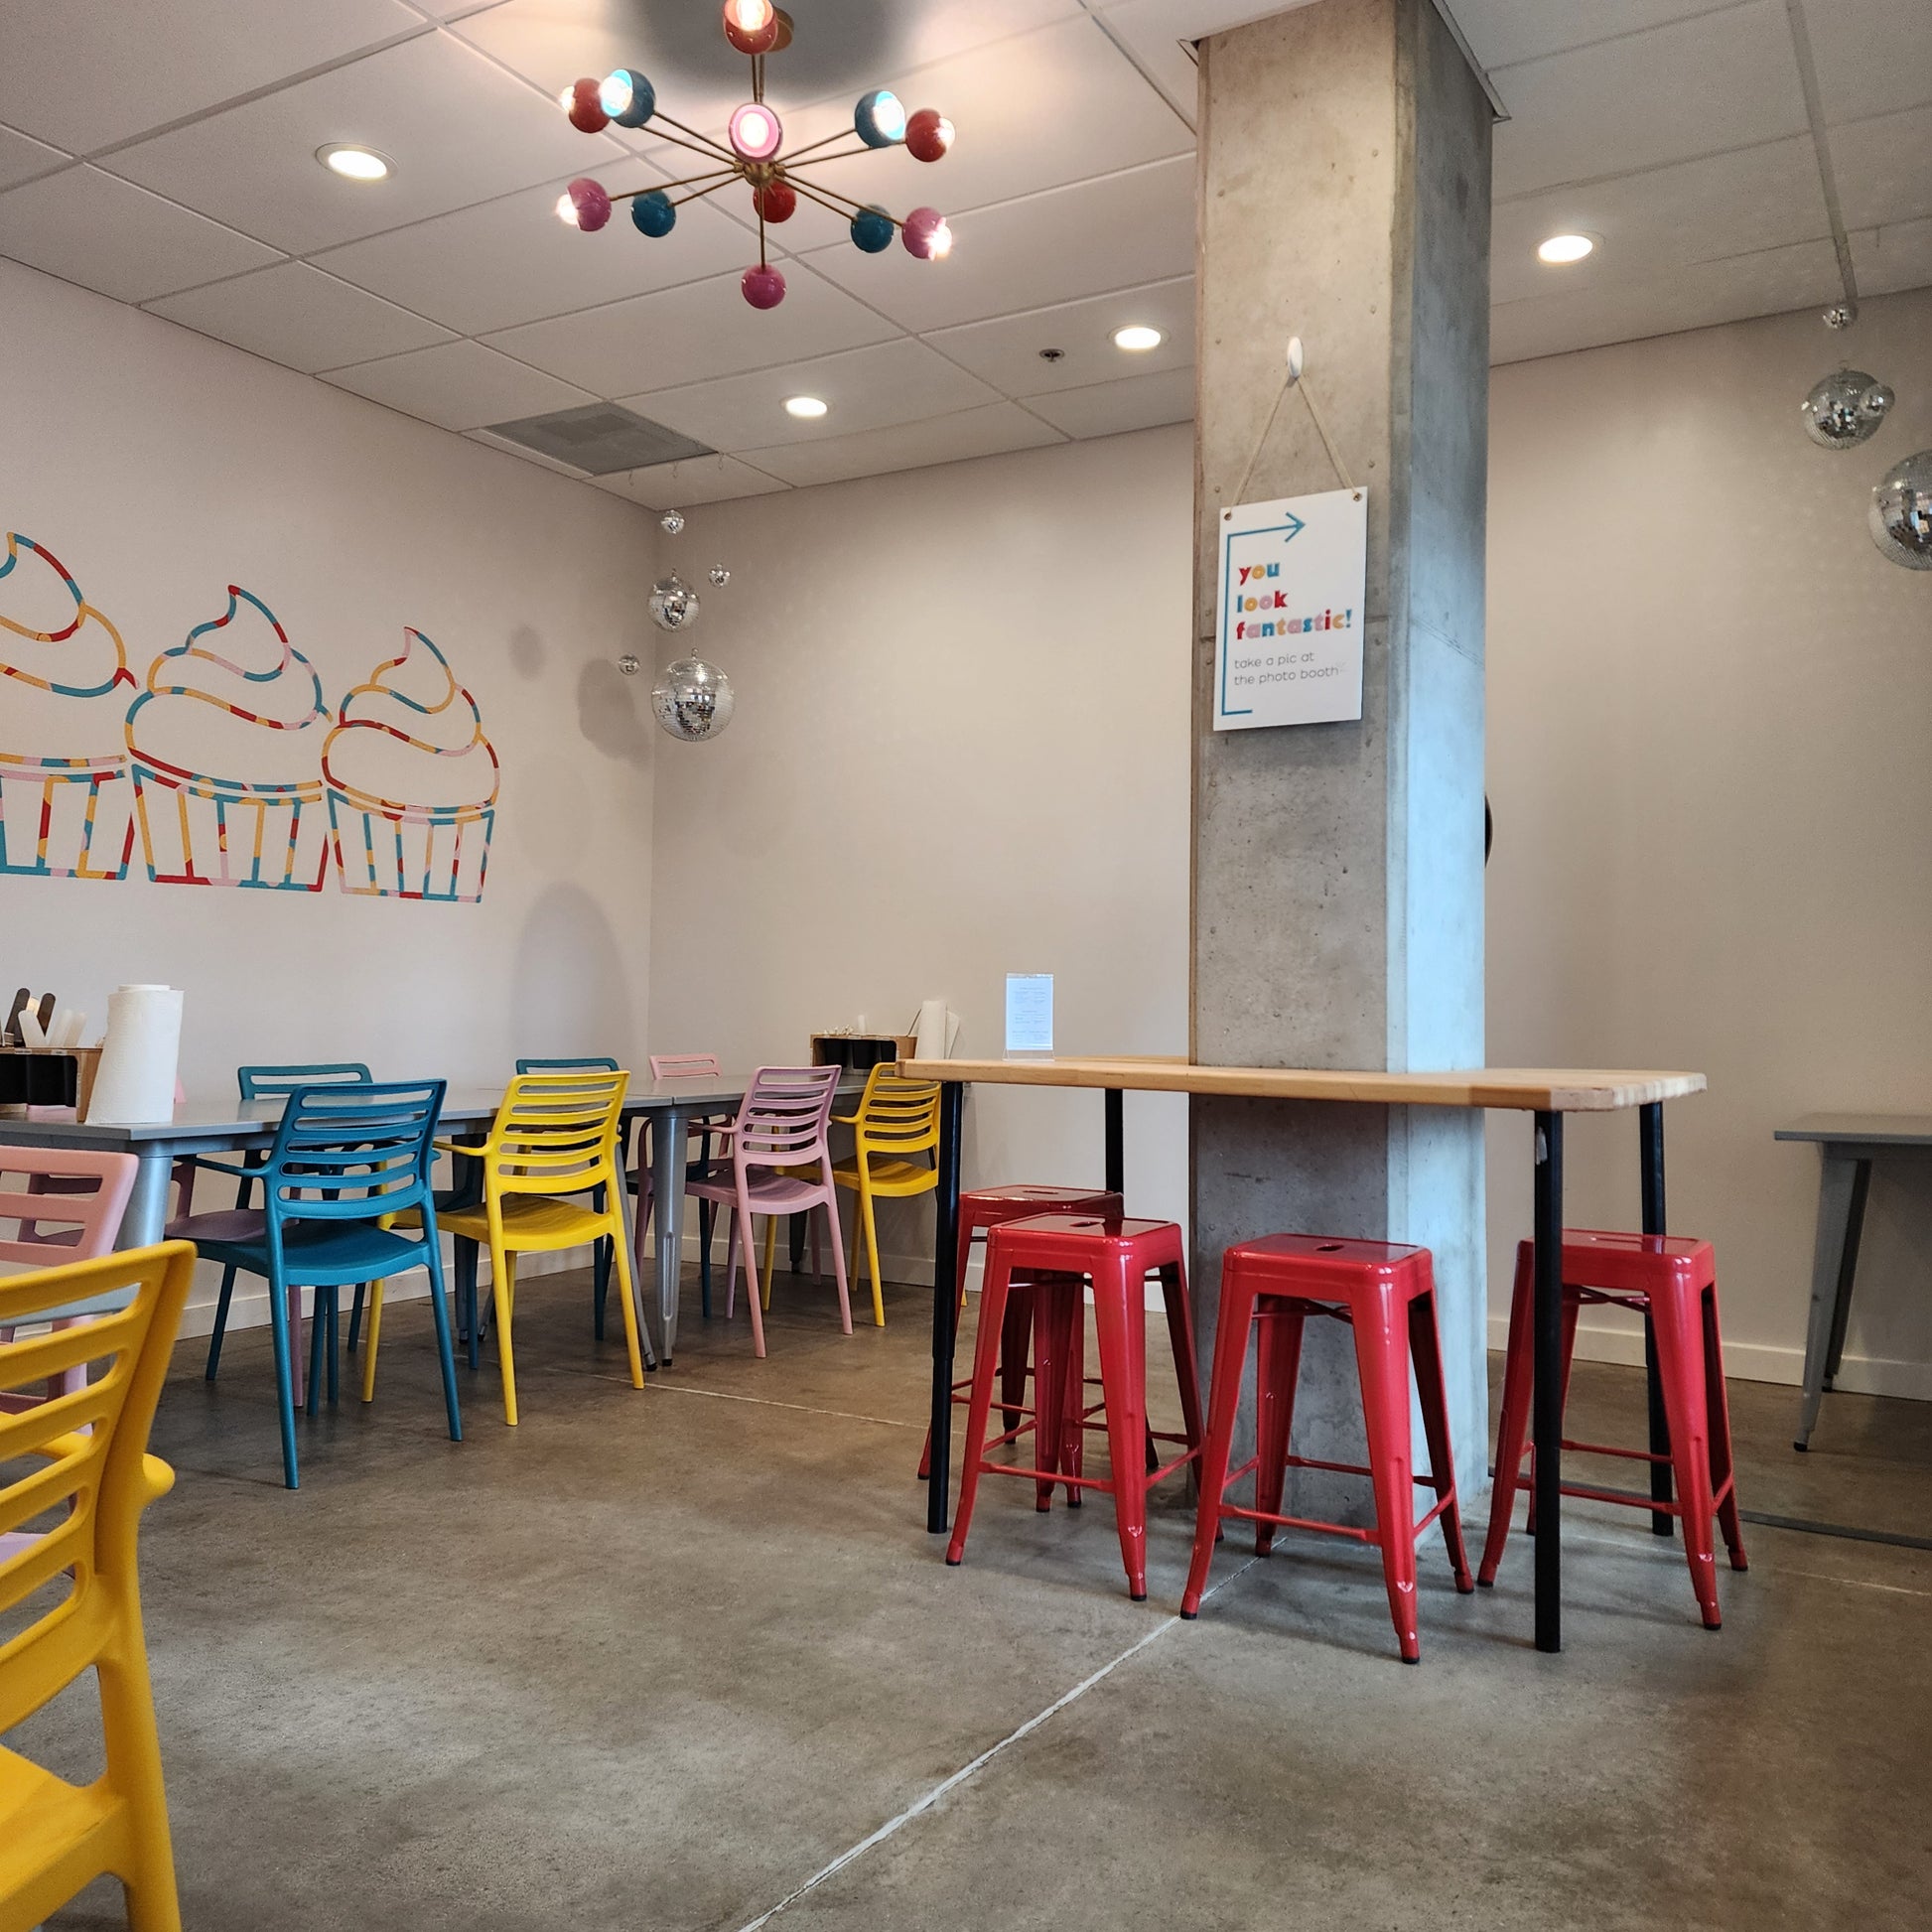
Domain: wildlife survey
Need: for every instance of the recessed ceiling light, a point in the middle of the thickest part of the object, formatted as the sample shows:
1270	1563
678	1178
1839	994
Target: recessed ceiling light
804	406
1562	249
1137	336
352	163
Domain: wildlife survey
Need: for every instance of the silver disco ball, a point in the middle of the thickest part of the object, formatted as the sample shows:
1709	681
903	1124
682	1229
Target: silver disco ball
693	700
1845	408
720	576
628	664
671	522
1901	518
673	603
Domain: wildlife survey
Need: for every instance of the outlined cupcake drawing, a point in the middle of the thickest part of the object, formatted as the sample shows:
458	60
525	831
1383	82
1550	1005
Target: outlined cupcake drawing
412	782
66	807
225	745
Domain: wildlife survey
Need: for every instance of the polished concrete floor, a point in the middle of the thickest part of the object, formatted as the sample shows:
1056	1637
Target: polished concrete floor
686	1658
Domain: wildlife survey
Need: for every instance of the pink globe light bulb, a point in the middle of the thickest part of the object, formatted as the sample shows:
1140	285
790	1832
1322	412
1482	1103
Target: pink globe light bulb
926	235
756	132
763	288
583	205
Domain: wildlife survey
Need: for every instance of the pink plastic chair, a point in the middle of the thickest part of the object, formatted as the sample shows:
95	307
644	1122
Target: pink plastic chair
675	1066
69	1209
780	1133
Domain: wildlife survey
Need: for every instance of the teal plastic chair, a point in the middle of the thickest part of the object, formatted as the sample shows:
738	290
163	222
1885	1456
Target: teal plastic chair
600	1253
271	1082
347	1156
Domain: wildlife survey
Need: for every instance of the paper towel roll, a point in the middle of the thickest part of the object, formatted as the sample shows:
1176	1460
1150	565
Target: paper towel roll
929	1030
136	1081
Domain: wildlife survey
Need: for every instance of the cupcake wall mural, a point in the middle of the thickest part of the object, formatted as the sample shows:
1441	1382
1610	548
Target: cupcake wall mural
225	745
411	781
66	802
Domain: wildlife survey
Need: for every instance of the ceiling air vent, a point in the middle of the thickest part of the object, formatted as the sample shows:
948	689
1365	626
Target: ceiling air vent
599	438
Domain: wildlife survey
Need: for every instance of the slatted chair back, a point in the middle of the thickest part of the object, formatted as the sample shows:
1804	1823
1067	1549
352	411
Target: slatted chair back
77	1216
75	1472
784	1118
270	1082
352	1153
556	1133
601	1062
685	1066
896	1116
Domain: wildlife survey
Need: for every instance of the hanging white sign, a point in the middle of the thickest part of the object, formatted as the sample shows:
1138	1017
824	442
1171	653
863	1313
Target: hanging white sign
1287	639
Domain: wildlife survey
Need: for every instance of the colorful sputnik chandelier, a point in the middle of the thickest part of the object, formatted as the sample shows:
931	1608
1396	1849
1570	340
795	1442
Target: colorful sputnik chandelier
753	153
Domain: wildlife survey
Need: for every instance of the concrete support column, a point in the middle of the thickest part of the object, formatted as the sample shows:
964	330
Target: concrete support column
1338	869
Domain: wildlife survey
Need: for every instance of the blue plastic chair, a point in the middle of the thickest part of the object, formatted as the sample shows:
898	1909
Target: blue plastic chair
346	1156
600	1253
269	1082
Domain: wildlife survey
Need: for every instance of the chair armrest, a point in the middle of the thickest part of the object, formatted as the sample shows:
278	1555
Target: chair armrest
157	1478
222	1167
848	1120
458	1150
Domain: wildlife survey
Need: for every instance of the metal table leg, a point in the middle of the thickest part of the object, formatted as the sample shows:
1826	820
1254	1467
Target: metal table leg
667	1183
145	1218
1650	1145
1844	1182
945	1301
1547	1409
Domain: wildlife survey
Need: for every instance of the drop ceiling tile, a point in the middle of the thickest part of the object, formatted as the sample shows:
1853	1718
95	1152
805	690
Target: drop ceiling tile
458	385
1157	32
22	158
1006	350
865	388
1130	402
697	480
1650	98
1502	33
88	72
90	228
1889	259
511	261
1058	105
1693	297
858	43
504	447
691	334
298	316
1883	168
1694	210
458	129
1120	232
989	430
1874	56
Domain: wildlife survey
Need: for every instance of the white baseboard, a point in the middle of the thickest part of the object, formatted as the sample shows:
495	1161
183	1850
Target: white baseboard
1747	1361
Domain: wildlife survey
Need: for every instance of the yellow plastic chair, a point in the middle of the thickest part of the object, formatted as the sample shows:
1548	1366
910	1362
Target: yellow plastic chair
897	1119
555	1135
69	1525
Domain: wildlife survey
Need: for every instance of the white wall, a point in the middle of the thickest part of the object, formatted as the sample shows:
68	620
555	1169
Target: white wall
1711	764
962	739
160	467
960	749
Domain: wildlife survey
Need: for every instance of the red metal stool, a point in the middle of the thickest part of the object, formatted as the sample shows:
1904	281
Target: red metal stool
1675	1280
1387	1295
1117	1256
989	1208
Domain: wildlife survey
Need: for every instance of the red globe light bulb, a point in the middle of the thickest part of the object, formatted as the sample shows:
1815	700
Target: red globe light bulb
586	112
929	135
583	205
751	25
775	201
763	288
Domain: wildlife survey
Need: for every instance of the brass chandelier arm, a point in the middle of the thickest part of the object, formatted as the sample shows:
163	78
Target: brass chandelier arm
703	192
825	141
842	154
819	191
844	213
705	144
718	175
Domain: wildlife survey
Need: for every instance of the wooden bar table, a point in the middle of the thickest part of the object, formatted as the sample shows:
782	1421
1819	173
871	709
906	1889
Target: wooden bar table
1547	1093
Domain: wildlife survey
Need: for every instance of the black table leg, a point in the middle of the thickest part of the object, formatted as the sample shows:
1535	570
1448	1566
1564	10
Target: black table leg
1547	1407
945	1301
1650	1147
1116	1144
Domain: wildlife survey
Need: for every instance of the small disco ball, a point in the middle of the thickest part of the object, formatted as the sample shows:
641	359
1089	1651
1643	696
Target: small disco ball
673	603
719	576
1845	408
1901	518
671	522
1842	314
693	700
628	664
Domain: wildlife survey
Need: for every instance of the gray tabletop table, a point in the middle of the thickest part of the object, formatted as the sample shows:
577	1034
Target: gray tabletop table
228	1127
1846	1144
